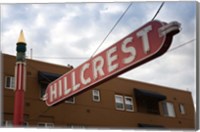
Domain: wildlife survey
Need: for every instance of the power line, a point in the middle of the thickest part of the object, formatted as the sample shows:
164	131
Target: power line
28	65
70	58
74	58
118	22
158	11
181	45
41	113
49	81
47	109
95	50
112	29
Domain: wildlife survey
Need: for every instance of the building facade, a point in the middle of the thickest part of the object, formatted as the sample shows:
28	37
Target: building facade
118	103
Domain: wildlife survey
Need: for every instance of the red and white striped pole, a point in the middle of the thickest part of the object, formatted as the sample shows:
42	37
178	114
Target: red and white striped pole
20	82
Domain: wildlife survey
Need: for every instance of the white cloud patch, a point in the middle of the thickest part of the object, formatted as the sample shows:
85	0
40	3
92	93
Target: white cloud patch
40	21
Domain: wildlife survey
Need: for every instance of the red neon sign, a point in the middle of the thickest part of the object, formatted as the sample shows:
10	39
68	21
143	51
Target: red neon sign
146	43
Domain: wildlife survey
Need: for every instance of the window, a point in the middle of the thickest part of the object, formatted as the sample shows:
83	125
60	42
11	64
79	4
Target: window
8	123
44	124
70	100
168	109
25	124
182	109
119	103
96	95
124	103
10	82
128	103
43	87
75	126
44	79
148	101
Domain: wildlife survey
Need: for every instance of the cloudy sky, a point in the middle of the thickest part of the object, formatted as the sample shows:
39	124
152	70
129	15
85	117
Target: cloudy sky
70	33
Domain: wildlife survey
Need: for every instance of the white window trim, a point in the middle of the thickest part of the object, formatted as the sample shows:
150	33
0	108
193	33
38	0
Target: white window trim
75	126
46	124
98	95
173	110
12	79
70	102
168	115
26	124
122	102
41	96
182	109
8	123
128	97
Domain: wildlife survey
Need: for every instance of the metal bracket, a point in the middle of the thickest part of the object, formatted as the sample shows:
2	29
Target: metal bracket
44	98
172	27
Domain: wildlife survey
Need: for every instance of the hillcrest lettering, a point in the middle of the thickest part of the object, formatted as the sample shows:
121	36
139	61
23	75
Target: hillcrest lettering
148	42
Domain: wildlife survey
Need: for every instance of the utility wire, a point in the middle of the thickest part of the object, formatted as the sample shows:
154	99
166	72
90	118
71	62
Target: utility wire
72	58
118	22
158	11
47	109
181	45
109	34
112	29
41	113
28	65
106	35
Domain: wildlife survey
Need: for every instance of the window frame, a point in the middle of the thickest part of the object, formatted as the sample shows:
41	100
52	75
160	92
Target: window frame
43	88
75	126
46	124
26	124
97	95
182	109
11	82
118	102
8	123
167	103
68	101
132	104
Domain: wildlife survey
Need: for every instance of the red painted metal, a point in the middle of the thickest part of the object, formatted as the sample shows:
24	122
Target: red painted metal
20	75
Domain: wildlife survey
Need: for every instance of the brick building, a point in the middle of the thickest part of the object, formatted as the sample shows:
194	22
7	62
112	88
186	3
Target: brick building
118	103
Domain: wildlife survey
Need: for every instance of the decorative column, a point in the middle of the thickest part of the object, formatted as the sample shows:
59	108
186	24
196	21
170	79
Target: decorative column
20	81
